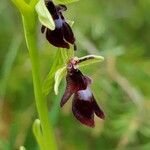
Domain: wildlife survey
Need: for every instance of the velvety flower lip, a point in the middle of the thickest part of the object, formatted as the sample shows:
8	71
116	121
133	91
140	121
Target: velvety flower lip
62	36
84	105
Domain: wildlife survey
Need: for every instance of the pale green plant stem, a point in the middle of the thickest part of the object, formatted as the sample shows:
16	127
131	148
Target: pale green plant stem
29	23
41	102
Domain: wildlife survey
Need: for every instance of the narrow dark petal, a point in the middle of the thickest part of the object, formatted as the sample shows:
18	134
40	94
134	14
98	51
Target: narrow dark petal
61	8
66	96
75	47
68	91
83	111
68	34
55	37
97	109
43	29
52	9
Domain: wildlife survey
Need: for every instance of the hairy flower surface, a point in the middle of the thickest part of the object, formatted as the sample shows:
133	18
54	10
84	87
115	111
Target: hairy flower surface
84	104
62	36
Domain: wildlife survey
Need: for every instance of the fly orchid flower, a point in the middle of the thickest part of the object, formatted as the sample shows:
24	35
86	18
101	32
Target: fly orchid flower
84	105
62	35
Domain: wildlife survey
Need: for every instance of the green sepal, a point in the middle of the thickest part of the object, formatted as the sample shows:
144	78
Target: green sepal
89	59
60	73
44	16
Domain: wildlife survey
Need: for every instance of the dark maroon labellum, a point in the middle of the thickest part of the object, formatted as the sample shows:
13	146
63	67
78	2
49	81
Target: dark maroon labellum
84	104
62	36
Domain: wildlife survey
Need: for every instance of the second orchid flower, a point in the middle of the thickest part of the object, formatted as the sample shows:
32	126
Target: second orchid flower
84	105
62	35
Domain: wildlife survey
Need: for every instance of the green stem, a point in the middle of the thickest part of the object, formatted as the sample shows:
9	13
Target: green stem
41	103
33	3
21	5
29	24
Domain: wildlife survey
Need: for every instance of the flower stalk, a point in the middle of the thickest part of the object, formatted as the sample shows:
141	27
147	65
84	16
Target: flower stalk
59	34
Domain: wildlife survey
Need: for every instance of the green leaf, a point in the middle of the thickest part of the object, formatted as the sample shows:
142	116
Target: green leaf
67	54
49	81
60	73
65	1
64	55
89	59
8	63
38	133
44	16
37	127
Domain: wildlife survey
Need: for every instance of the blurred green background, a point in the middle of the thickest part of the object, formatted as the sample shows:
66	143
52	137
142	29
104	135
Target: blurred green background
119	31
